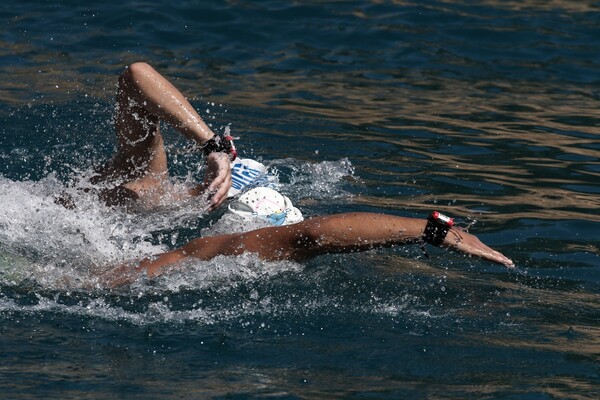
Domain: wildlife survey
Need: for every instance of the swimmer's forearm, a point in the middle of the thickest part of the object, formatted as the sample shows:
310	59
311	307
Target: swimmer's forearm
362	231
164	100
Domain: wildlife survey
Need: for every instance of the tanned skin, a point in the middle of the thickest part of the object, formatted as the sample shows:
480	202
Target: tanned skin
339	233
144	98
139	171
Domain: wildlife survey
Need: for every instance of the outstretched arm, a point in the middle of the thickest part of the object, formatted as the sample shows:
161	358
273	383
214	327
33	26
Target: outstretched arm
319	235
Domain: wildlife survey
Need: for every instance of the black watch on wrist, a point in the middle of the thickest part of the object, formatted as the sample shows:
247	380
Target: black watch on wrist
437	228
220	144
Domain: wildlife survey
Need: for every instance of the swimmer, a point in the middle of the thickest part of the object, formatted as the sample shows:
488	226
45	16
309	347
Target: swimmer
138	173
293	238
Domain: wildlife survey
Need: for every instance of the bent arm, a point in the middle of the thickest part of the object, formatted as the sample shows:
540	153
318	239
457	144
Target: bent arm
320	235
160	98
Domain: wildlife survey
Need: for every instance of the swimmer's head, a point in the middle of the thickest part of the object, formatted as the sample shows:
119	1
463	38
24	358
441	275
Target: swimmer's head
268	205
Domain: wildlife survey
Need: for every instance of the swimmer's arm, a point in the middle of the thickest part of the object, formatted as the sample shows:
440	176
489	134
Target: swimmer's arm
340	233
145	85
217	180
204	248
161	98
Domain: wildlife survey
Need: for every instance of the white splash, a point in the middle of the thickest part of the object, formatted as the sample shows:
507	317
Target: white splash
48	247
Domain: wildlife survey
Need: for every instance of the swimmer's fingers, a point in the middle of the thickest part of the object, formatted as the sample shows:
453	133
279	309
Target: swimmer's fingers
217	179
218	196
466	243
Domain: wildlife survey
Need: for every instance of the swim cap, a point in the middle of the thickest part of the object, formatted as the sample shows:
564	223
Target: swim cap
267	204
247	173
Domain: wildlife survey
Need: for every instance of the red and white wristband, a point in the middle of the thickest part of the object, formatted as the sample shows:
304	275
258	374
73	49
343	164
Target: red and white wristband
437	228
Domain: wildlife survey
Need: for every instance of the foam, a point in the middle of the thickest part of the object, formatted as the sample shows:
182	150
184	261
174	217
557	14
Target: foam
61	250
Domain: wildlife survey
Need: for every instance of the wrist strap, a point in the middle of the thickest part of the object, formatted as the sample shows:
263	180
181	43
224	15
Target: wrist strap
218	144
437	228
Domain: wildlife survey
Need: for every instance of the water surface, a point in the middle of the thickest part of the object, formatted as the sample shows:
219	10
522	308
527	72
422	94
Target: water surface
484	110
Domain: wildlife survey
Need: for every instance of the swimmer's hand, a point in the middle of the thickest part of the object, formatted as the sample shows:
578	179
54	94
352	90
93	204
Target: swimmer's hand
458	239
217	180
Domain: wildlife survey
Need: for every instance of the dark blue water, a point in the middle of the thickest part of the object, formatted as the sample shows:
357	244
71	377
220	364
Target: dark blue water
484	110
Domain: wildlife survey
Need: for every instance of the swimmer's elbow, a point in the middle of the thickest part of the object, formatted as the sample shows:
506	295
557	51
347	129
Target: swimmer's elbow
307	242
139	68
196	248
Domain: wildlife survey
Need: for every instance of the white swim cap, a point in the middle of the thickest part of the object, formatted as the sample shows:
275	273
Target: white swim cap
267	204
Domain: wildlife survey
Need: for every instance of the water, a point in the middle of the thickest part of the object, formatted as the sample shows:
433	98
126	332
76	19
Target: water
484	110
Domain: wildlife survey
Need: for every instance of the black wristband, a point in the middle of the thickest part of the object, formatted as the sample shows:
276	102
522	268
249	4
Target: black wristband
210	146
437	228
218	144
